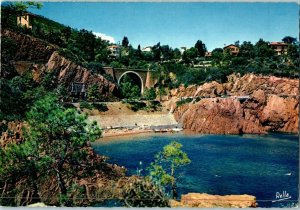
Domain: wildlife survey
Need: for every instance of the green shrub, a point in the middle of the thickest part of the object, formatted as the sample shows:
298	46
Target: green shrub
143	193
149	94
163	171
76	58
184	101
101	107
198	98
154	105
137	105
86	105
68	105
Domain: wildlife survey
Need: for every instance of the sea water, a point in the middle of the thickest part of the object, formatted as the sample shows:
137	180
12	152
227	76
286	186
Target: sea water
266	166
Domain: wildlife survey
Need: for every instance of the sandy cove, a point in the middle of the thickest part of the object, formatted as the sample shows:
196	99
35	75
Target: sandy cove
124	132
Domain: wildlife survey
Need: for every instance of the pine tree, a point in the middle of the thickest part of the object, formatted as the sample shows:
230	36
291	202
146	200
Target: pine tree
125	42
55	145
163	169
200	46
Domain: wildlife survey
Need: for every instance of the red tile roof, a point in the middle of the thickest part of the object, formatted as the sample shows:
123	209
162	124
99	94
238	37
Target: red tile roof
278	43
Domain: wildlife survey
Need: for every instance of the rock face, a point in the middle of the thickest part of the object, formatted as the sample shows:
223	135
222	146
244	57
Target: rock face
13	134
281	114
251	104
29	48
214	115
215	201
68	72
249	83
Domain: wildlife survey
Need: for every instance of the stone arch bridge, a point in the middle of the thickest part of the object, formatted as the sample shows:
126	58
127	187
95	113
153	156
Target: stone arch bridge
145	76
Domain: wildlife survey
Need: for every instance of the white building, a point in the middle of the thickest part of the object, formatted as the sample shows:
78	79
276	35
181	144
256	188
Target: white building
147	49
182	49
115	50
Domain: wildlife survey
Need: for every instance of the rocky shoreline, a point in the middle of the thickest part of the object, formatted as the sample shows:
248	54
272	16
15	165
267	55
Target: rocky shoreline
250	104
244	105
203	200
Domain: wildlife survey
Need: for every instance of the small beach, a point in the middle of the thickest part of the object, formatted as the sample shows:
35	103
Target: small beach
124	132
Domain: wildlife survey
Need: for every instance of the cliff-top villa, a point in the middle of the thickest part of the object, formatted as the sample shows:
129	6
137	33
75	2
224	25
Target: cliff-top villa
182	49
115	50
25	20
233	49
208	54
280	48
147	49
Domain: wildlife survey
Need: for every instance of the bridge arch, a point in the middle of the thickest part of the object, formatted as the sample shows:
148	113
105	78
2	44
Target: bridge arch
132	72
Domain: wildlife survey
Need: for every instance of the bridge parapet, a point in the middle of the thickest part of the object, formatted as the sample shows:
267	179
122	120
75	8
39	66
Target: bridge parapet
133	69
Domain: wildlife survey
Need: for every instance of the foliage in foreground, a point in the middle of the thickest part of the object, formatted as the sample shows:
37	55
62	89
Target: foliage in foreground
151	191
163	171
143	193
55	146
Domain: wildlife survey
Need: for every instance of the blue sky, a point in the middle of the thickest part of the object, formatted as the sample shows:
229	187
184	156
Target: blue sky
179	24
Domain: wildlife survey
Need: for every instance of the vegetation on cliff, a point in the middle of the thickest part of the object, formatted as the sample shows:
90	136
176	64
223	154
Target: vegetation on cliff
84	47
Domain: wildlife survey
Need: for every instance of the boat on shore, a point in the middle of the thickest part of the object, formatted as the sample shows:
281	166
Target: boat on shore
173	130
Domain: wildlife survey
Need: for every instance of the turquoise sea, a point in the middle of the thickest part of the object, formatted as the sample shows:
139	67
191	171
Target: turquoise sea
260	165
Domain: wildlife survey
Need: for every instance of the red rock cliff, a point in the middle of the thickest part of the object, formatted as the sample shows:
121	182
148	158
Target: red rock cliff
250	104
68	72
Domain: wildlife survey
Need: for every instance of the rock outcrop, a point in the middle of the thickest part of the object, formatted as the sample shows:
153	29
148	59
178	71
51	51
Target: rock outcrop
216	115
68	72
250	104
13	134
28	47
249	83
215	201
280	114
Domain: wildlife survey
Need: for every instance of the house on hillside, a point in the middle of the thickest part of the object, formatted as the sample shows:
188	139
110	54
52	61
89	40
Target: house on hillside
182	49
280	48
207	54
25	20
115	51
147	49
233	49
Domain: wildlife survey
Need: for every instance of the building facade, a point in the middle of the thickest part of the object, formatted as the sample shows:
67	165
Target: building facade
25	20
280	48
182	50
233	49
147	49
115	51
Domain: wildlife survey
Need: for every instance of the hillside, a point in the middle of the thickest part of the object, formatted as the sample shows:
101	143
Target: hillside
41	58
